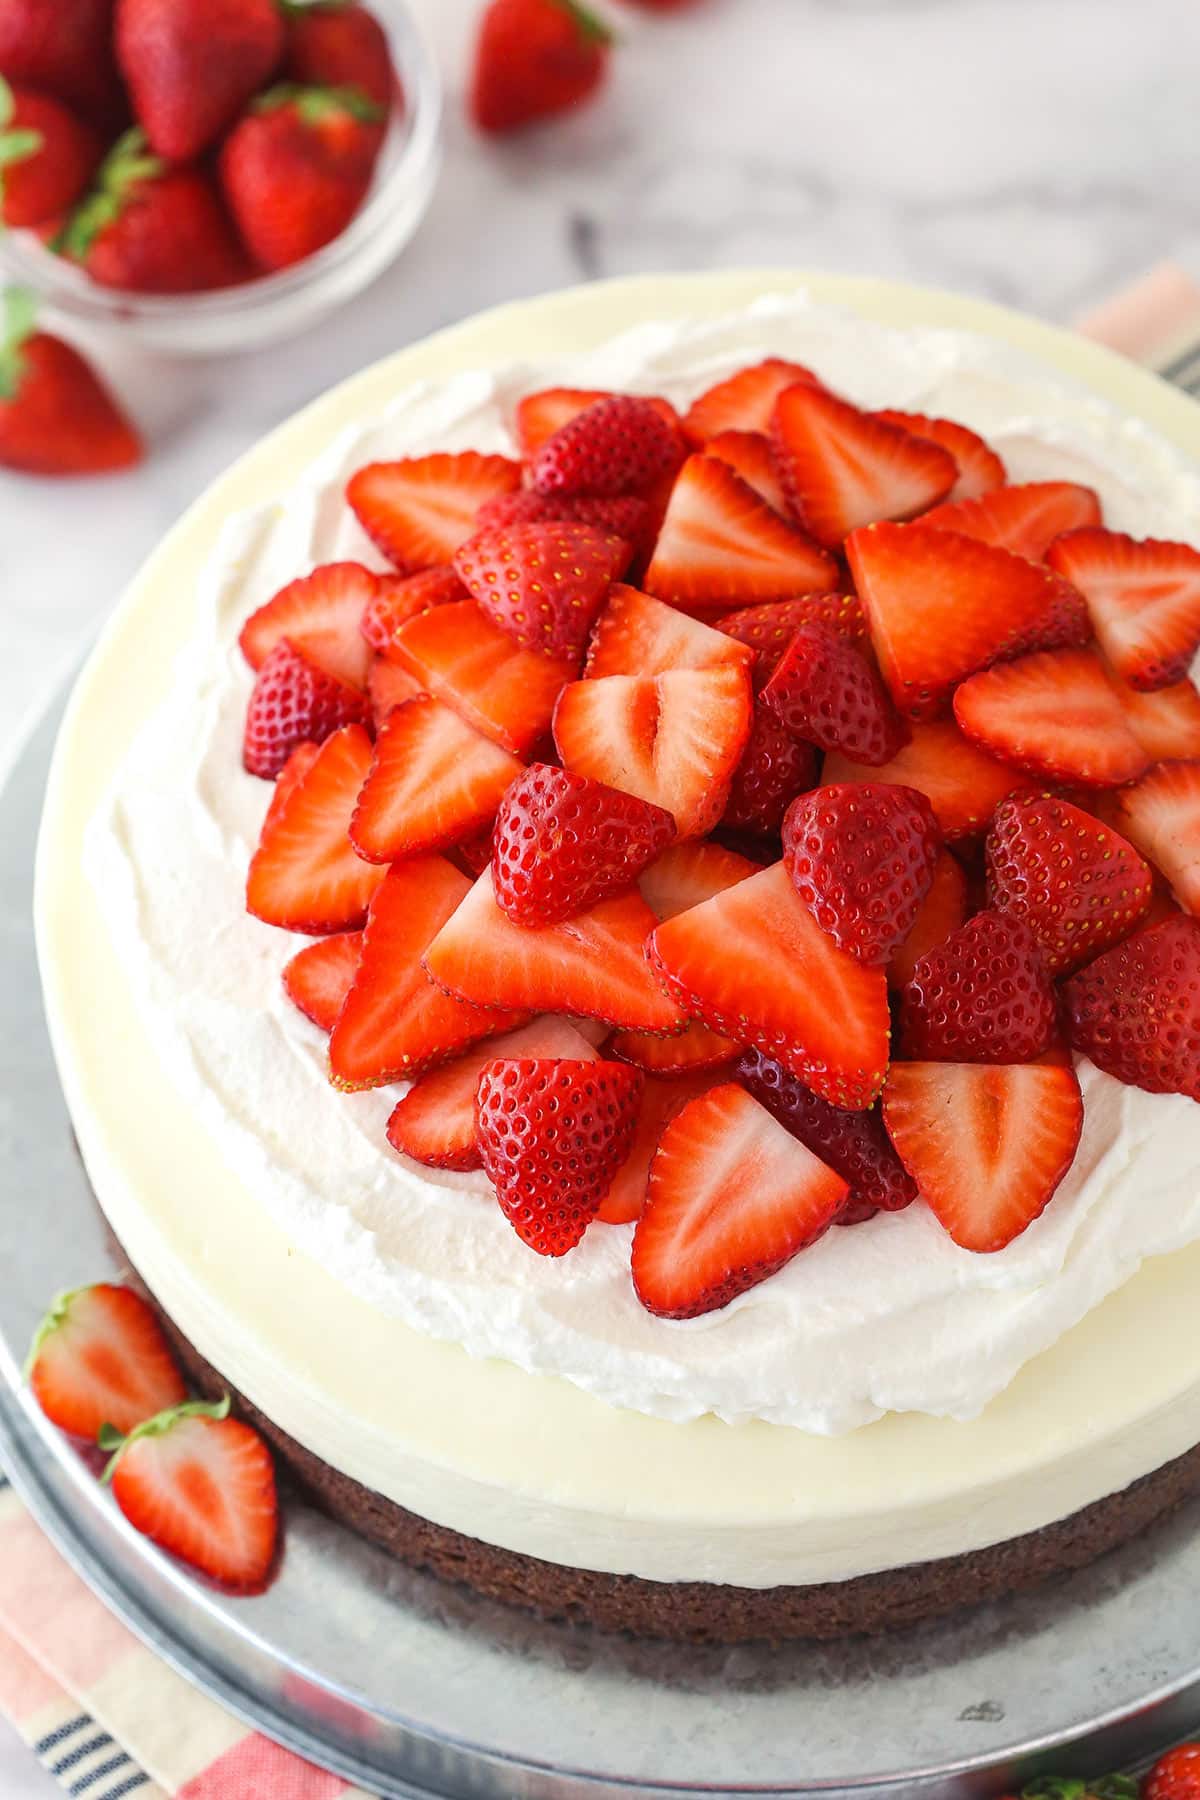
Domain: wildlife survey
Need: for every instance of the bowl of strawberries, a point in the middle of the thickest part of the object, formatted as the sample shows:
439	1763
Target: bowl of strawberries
210	175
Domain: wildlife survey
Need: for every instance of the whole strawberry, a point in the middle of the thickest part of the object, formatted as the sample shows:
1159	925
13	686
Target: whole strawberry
535	58
64	48
981	997
297	168
1175	1776
294	702
562	842
339	44
151	229
1135	1011
56	416
543	584
621	445
552	1134
825	692
47	157
191	65
862	857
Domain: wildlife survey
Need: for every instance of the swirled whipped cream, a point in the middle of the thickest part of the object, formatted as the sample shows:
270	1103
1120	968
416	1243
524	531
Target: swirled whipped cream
886	1316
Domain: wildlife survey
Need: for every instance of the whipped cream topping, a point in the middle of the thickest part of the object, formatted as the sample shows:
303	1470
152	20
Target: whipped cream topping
886	1316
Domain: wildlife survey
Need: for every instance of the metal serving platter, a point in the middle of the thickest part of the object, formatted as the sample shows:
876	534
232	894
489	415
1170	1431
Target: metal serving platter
412	1688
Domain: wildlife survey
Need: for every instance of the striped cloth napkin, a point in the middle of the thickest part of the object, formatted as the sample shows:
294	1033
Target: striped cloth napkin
104	1715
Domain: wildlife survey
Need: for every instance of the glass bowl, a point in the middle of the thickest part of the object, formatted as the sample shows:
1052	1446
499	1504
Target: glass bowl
273	306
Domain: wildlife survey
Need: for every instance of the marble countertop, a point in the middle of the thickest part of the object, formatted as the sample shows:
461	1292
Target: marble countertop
1036	152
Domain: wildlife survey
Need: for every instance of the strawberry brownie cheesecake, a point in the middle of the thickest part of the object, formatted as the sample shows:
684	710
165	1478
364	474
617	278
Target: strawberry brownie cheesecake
617	909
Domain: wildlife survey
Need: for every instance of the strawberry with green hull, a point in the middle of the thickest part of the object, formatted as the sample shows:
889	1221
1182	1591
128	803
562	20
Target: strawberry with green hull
200	1485
862	860
319	977
979	468
981	996
339	44
99	1356
47	157
322	615
1024	519
1135	1011
1175	1776
543	584
621	445
745	401
56	416
1144	599
637	635
535	59
306	874
1161	815
420	509
826	693
191	65
434	781
293	702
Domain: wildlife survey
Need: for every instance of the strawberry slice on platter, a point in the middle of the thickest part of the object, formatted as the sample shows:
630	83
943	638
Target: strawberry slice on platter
979	468
1135	1011
619	445
862	859
745	401
389	685
1056	716
638	635
398	598
750	455
662	1098
306	874
1161	815
420	509
433	781
1024	519
944	908
496	686
983	995
543	584
961	781
322	616
319	977
1144	598
768	629
99	1356
825	692
294	702
538	416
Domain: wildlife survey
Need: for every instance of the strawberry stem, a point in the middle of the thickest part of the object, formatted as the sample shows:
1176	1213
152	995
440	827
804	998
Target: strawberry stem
20	318
15	146
109	1438
317	103
592	28
128	163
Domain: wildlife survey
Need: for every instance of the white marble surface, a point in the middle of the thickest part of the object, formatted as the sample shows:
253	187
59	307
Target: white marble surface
1038	152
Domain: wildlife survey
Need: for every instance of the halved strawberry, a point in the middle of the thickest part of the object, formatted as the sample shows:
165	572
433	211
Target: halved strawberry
637	635
322	616
433	782
540	415
505	692
99	1357
768	630
1161	815
1165	723
1079	886
306	874
294	702
552	1134
673	739
319	977
1144	598
593	966
979	468
981	996
621	445
543	584
750	454
774	768
732	1197
398	598
753	964
288	779
853	1144
563	842
988	1145
396	1022
721	543
202	1486
620	515
662	1098
843	468
962	783
941	606
389	685
435	1121
420	509
1024	519
861	857
825	692
1135	1011
943	910
745	401
1054	714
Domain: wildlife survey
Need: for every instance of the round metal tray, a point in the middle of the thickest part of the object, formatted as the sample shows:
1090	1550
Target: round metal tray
411	1688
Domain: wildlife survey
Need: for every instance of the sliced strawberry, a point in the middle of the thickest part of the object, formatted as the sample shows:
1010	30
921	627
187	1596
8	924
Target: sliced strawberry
288	779
745	401
981	996
662	1099
505	692
673	739
962	783
1166	723
987	1146
552	1135
749	453
1079	886
389	685
861	858
540	415
690	1052
321	615
622	515
398	598
774	768
943	910
1054	714
979	468
768	630
941	607
843	468
435	1121
419	510
396	1022
1024	519
721	543
621	445
294	702
319	977
202	1486
474	854
543	584
1161	815
99	1357
594	966
636	635
433	782
1144	598
306	874
732	1197
1135	1011
563	842
825	692
753	965
853	1144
